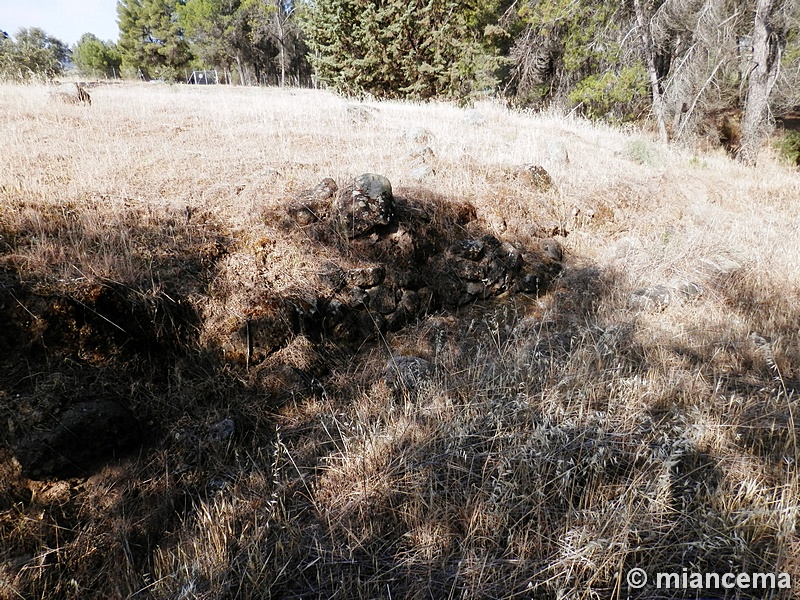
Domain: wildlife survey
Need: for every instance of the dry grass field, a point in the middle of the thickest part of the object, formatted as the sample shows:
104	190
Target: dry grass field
560	440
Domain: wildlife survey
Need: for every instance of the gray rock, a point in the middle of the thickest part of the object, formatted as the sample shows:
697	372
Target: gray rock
688	289
366	277
374	186
538	276
655	297
557	153
356	297
331	275
302	213
314	204
552	249
422	155
475	288
371	204
223	430
474	117
358	113
496	223
325	189
469	249
537	176
407	372
382	299
469	270
409	302
510	257
421	172
418	136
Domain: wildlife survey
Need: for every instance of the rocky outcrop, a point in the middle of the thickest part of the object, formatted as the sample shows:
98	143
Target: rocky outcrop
400	259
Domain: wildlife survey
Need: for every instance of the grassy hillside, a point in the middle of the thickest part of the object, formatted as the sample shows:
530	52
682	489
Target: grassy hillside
638	411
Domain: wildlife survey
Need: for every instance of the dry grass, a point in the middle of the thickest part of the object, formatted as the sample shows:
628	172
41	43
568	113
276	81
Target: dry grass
562	440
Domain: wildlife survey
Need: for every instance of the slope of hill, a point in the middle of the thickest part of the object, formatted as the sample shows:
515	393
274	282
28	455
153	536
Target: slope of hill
204	383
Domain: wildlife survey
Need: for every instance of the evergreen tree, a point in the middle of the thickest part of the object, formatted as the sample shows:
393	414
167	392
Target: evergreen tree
151	41
97	58
258	40
581	53
399	48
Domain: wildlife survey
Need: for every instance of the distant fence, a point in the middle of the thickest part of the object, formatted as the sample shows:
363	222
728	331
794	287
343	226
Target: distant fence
203	78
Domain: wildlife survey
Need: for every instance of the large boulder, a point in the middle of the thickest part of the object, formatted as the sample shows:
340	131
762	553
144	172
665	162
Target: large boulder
369	205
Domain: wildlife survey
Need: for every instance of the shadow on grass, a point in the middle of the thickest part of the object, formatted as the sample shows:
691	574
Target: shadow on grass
553	448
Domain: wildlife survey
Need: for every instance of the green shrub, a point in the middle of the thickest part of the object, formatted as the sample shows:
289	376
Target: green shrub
788	147
610	95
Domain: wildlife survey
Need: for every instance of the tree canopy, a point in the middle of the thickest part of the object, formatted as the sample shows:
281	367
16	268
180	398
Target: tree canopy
398	48
32	54
151	40
97	58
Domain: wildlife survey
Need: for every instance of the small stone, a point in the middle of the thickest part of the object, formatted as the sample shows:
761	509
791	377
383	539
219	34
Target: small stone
656	297
359	114
421	172
490	242
409	302
422	155
496	222
552	249
302	213
511	257
689	289
223	430
356	297
469	249
374	186
366	277
471	271
537	176
474	118
557	153
332	276
371	204
382	299
418	136
407	372
475	288
325	189
538	277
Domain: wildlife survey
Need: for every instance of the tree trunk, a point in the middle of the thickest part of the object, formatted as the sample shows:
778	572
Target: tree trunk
281	27
241	70
650	64
767	60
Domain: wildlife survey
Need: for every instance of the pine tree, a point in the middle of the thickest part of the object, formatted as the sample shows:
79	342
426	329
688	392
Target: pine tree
151	40
95	57
393	48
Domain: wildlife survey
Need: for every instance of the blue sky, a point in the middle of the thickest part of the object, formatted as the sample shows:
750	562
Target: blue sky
65	19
